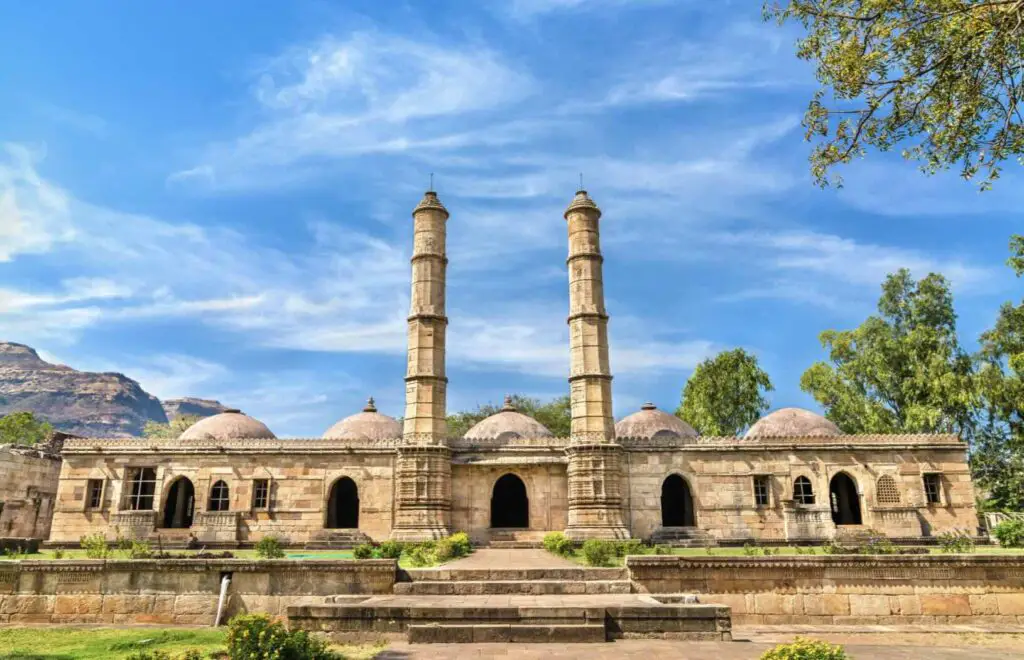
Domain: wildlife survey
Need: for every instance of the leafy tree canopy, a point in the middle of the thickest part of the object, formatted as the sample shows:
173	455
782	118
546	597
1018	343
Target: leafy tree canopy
943	77
23	428
725	394
554	414
997	458
173	429
902	371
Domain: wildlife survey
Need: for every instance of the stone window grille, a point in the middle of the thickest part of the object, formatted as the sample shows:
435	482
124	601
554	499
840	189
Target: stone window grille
94	494
762	491
141	488
219	497
803	492
932	489
886	491
261	494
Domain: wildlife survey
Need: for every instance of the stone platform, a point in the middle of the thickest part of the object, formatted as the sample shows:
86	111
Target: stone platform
511	596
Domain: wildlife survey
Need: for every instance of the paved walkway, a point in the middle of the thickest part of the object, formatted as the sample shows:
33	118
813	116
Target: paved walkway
517	558
500	600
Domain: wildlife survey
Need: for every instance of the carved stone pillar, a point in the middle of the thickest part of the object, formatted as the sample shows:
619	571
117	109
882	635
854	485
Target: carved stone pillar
595	460
423	472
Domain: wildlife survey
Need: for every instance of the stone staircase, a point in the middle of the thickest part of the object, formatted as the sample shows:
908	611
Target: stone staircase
509	605
514	539
686	537
337	539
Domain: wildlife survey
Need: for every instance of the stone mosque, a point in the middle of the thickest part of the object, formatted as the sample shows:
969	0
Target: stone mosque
793	477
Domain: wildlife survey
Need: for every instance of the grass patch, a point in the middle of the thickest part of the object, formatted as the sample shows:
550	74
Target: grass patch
80	643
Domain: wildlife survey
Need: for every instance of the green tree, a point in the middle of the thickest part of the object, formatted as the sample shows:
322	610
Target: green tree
172	429
23	428
555	415
902	371
941	79
725	394
997	457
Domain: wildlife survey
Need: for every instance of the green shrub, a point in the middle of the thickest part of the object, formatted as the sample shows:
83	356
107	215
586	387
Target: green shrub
444	550
420	554
140	550
955	542
805	649
256	637
95	546
155	654
363	551
461	543
662	550
1010	533
58	554
269	547
597	552
558	544
630	547
878	544
750	550
391	549
833	548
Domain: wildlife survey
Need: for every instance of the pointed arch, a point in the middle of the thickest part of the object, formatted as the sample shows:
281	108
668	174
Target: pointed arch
510	505
676	502
343	505
220	497
844	500
179	504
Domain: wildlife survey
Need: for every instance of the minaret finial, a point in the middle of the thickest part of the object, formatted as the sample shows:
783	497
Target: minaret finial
581	181
370	407
508	407
431	189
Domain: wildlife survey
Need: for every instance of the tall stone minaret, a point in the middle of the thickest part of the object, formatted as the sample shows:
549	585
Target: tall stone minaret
595	473
423	471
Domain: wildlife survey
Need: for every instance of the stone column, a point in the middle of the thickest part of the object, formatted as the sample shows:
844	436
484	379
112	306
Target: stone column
595	472
423	469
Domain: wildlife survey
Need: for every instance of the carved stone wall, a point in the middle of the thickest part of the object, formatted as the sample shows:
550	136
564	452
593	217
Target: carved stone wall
299	488
473	487
850	590
176	592
28	489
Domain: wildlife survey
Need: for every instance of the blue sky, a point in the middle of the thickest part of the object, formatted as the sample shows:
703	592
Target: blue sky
214	198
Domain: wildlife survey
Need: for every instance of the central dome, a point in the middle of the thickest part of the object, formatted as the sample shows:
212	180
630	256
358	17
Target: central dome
231	424
649	422
506	424
792	423
367	425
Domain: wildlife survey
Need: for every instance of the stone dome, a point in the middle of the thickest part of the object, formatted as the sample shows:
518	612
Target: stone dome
228	425
367	425
792	422
506	424
649	422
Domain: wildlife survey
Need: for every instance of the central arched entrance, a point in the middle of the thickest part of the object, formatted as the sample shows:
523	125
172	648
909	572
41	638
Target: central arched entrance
510	507
844	500
676	502
343	505
179	507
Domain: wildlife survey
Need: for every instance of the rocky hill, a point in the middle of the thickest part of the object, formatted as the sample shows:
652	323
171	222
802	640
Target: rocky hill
192	406
79	402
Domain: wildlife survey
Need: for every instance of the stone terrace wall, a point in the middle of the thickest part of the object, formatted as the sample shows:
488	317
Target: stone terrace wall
854	589
176	591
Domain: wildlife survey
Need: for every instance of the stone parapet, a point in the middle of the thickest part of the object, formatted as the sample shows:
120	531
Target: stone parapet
844	589
176	592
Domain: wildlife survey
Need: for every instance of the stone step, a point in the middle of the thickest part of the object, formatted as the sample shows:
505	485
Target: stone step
337	539
498	587
506	633
513	545
679	536
570	574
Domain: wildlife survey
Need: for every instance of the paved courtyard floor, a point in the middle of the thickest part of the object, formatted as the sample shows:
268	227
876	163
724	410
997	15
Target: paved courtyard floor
749	645
498	558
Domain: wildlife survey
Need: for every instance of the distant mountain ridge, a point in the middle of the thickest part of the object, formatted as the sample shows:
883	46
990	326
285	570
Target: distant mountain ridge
82	402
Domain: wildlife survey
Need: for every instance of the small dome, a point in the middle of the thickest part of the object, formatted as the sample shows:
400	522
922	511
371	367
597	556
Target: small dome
792	422
650	422
367	425
506	424
228	425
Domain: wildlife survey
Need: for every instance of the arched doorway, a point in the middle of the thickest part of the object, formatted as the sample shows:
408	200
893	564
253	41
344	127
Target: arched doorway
676	502
180	504
510	507
844	499
343	505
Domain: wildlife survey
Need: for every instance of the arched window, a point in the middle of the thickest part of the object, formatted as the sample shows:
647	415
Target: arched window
803	493
886	491
219	497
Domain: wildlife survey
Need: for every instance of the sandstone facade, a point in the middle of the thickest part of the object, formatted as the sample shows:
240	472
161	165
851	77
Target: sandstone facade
28	490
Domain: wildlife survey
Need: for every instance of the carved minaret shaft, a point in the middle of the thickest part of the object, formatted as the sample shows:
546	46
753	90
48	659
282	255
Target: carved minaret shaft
595	474
423	471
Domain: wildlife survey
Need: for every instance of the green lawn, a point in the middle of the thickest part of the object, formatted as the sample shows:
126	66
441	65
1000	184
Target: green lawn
78	643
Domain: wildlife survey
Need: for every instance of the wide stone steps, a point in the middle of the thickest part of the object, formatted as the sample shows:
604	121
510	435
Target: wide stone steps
337	539
506	633
571	574
498	587
680	536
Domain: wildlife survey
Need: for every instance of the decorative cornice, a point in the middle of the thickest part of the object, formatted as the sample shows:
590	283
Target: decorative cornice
580	202
430	202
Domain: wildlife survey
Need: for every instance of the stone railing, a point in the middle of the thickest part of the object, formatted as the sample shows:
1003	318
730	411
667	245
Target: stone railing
176	591
731	443
996	517
240	445
844	589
